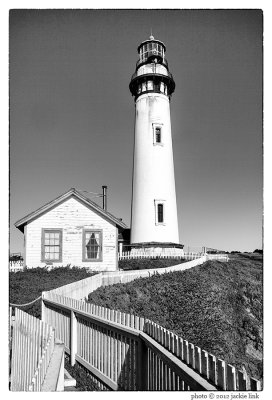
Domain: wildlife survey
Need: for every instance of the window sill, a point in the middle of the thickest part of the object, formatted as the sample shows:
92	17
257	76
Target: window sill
158	144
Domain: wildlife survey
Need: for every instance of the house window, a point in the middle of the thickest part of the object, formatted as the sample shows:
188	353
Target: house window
159	212
51	245
92	245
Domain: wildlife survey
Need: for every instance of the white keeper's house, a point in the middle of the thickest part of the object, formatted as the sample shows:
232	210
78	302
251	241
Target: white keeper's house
74	230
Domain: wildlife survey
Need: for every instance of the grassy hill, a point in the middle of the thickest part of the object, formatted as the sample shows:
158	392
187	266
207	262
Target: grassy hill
217	306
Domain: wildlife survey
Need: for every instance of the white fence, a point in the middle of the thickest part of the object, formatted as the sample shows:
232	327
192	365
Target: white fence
219	257
81	289
34	353
148	254
15	266
125	352
144	254
115	349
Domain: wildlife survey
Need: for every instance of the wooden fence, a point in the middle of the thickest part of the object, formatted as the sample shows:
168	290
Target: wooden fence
114	348
142	254
82	288
15	266
147	254
223	376
218	257
105	342
125	352
32	347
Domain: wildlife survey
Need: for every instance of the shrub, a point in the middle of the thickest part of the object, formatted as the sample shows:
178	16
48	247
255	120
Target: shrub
137	264
26	286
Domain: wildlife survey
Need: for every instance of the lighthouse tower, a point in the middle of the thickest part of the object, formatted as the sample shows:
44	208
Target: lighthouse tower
154	209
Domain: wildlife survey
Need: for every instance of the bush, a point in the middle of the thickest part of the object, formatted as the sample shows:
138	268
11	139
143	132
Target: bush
258	251
137	264
28	285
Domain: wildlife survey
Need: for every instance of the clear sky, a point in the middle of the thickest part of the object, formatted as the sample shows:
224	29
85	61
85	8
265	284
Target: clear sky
72	115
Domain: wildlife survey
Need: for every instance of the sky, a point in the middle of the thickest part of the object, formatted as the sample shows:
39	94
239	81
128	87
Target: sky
72	115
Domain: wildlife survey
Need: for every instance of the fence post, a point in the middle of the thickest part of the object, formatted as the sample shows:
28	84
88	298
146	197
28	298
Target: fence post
73	346
43	311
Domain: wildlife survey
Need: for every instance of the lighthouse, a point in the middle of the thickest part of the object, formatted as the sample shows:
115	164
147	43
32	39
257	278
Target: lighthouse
154	210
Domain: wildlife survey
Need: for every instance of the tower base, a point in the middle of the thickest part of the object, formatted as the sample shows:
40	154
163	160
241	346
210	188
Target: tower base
157	249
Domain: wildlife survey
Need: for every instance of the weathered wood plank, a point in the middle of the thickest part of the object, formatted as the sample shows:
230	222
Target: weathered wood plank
222	377
231	378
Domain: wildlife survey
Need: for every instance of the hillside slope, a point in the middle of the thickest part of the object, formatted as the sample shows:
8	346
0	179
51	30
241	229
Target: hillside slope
217	306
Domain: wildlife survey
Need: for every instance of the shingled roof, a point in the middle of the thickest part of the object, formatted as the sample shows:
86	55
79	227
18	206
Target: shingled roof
71	193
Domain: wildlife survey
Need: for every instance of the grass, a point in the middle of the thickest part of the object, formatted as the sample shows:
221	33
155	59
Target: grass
216	306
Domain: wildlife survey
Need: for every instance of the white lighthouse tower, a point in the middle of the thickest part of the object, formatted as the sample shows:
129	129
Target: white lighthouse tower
154	210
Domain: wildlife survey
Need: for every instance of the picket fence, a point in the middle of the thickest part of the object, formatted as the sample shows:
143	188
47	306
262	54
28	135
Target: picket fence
125	352
218	257
32	344
82	288
147	254
115	349
16	266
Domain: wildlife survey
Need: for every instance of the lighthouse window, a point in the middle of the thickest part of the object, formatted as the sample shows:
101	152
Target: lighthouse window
143	87
162	87
160	213
92	245
158	134
149	85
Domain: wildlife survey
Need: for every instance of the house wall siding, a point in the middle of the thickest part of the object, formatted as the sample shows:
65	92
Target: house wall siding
72	217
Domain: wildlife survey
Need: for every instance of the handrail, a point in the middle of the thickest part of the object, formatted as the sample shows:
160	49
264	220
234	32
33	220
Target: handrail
94	318
151	74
